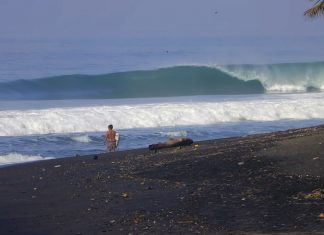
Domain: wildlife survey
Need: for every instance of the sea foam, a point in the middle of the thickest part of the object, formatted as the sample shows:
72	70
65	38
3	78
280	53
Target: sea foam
284	78
148	115
13	158
82	138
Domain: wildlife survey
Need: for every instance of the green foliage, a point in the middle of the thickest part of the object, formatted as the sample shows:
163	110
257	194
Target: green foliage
316	10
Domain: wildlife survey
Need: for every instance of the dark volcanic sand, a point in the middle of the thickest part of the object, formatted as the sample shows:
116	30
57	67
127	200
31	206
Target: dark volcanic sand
248	185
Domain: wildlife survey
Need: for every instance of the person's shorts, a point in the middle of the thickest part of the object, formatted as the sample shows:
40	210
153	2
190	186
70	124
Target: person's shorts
112	144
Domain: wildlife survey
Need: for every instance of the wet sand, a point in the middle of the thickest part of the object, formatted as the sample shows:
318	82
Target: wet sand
260	184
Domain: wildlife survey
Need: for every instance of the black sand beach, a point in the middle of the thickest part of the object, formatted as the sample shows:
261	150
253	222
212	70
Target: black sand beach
260	184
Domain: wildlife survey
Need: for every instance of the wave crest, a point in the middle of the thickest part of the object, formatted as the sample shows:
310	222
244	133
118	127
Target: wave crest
173	81
293	77
167	82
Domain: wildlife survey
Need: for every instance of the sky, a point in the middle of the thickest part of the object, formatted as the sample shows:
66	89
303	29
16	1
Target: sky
156	18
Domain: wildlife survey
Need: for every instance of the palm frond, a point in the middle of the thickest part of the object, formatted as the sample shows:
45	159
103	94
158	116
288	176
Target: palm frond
316	10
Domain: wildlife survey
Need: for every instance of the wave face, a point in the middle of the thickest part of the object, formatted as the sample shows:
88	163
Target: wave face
167	82
172	81
297	77
273	107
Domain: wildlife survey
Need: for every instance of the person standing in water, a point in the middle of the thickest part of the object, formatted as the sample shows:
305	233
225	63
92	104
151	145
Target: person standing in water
111	139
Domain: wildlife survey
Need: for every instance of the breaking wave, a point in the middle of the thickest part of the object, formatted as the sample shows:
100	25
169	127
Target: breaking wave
212	110
293	77
172	81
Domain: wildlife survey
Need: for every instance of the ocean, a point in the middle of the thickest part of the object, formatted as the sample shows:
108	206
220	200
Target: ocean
58	96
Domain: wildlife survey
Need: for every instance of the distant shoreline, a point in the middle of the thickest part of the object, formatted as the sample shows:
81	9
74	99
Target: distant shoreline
258	184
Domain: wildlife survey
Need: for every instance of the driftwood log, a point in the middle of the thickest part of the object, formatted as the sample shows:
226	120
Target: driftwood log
179	142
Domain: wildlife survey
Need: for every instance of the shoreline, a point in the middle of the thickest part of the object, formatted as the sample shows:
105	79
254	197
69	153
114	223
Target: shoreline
141	149
257	184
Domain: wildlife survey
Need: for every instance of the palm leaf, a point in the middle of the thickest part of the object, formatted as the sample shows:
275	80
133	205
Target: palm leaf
316	10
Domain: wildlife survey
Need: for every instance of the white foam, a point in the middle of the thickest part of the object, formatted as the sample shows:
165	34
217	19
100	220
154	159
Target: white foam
286	88
174	134
13	158
82	139
278	78
212	111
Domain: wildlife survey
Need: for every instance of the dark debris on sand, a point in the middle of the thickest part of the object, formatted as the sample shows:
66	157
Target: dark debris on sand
260	184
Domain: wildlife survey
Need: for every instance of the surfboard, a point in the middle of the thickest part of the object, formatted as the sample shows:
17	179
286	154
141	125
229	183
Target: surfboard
117	138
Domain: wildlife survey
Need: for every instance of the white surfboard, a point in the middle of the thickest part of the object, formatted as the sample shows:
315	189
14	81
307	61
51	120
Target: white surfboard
117	139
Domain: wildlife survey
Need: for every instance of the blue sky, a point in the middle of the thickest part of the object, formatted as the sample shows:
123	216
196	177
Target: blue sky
153	18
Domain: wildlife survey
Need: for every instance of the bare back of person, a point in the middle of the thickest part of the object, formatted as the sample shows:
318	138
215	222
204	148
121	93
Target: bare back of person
111	135
111	139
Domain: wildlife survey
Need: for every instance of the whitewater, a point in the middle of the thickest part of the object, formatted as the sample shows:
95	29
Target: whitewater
164	113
